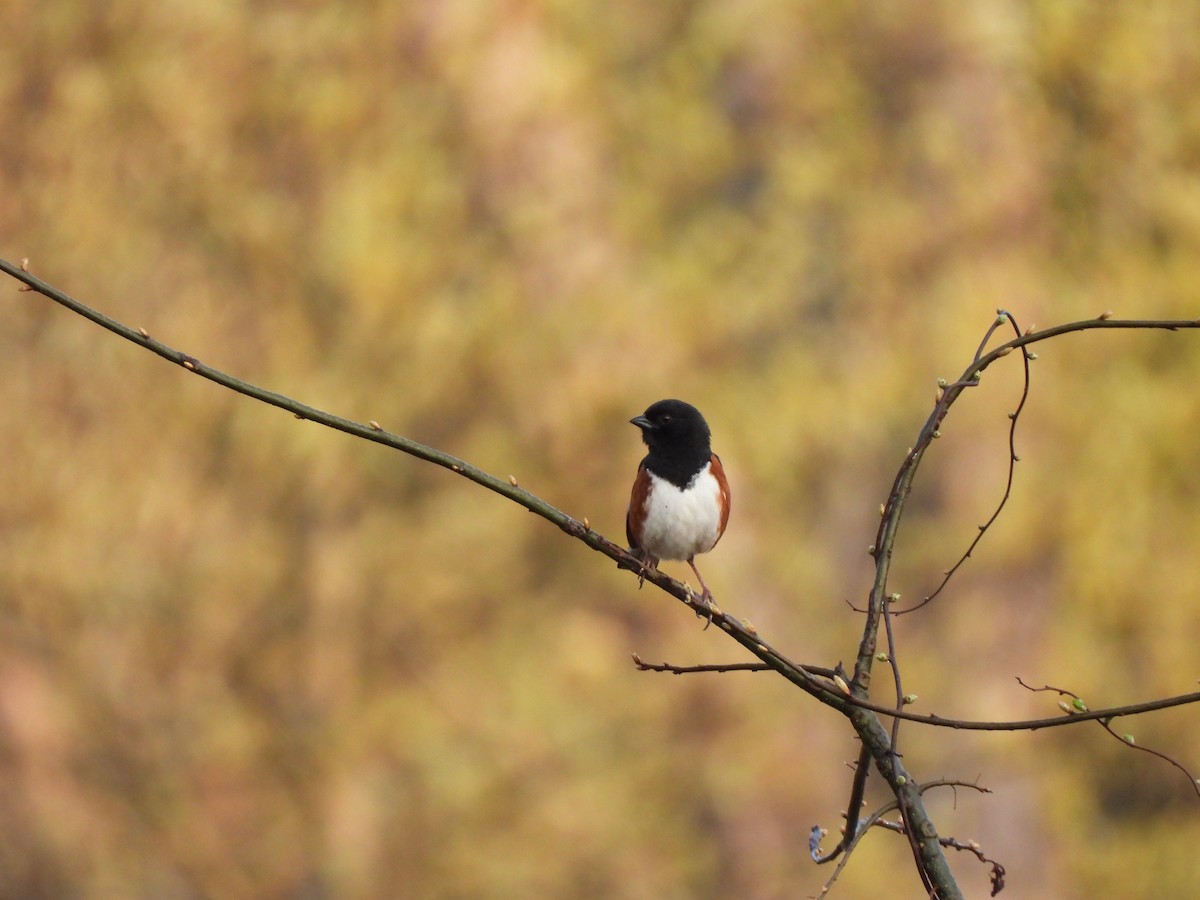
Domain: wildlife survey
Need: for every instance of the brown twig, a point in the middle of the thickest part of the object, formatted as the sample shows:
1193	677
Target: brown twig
644	666
827	686
1078	707
1013	459
852	833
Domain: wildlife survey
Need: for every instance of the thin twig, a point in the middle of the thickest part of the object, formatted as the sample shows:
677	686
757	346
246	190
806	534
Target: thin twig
1013	459
830	689
1078	706
644	666
862	769
997	873
852	834
934	720
906	818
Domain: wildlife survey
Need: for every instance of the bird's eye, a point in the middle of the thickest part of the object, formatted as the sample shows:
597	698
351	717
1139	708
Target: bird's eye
666	417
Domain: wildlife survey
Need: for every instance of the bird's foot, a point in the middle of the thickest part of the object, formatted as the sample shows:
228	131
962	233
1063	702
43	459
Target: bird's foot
704	606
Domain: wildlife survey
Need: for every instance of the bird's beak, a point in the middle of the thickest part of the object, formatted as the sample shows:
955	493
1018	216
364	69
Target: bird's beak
641	422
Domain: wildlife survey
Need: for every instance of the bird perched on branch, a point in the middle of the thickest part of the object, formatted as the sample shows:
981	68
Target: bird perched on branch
680	501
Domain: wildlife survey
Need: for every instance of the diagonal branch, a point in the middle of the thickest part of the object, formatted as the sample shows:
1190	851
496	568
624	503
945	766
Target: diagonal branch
742	632
849	699
644	666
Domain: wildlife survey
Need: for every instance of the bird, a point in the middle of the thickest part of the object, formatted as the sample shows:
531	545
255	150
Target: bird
679	505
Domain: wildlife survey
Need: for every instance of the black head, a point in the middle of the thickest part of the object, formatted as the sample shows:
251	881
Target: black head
678	438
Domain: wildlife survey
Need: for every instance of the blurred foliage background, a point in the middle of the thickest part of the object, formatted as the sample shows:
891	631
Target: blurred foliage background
243	656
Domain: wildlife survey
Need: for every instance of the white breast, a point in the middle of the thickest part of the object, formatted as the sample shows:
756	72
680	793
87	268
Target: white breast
681	523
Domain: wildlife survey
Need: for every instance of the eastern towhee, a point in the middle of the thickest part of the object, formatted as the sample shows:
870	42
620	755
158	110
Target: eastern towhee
680	501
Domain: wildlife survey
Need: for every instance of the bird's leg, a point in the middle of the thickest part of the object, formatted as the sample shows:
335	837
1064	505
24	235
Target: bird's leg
706	595
648	562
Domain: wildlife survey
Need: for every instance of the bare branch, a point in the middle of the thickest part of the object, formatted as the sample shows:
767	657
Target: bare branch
997	873
721	667
742	632
828	686
933	719
1078	707
1013	459
1031	724
858	785
851	836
